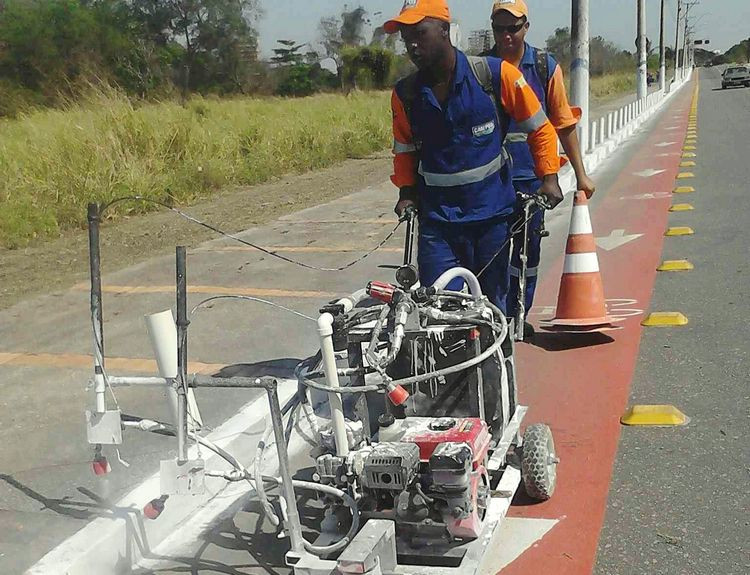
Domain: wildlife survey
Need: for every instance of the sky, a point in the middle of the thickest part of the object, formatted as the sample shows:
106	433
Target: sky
724	22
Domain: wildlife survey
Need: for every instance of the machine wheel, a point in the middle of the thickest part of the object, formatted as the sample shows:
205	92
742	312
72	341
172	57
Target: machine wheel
539	462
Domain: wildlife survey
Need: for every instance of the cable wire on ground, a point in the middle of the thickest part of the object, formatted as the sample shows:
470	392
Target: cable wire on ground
266	251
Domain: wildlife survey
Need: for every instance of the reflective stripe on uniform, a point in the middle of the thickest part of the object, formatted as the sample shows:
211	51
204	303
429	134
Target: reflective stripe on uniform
462	178
534	123
400	148
530	272
516	137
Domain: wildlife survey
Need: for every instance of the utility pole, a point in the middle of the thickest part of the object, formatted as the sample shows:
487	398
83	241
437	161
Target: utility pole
662	53
685	41
579	67
677	41
642	82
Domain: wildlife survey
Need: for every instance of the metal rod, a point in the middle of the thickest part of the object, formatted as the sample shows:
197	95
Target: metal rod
579	67
292	514
642	83
97	323
662	53
677	40
182	353
409	241
195	381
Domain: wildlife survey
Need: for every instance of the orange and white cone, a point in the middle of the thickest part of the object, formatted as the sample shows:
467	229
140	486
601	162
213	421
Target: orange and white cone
580	302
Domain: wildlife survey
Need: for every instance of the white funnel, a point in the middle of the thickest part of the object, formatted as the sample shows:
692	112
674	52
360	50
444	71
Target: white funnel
162	332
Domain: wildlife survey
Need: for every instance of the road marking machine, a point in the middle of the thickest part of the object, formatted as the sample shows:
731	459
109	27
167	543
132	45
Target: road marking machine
412	403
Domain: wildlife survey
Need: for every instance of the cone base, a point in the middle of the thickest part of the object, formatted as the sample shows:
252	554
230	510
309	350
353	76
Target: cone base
580	330
580	322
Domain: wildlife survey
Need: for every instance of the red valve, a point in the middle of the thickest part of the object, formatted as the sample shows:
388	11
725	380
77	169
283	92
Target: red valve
381	291
397	394
100	465
154	508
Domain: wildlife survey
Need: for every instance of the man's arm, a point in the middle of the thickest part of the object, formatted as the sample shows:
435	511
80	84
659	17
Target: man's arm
520	102
405	161
565	122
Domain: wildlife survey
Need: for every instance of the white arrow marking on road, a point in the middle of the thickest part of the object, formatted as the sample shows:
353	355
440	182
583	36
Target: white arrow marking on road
649	196
515	536
667	154
672	128
665	144
648	173
616	239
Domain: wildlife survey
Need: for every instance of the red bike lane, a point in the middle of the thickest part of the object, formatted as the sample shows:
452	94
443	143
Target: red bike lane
579	384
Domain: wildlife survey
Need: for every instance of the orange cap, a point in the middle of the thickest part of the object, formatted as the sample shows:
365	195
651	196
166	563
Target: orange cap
516	7
414	11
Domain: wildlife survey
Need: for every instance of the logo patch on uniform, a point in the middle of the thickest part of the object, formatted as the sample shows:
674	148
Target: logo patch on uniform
521	83
411	3
501	2
484	129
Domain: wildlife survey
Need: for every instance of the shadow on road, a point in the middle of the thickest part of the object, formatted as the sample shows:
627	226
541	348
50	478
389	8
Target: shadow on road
282	368
549	341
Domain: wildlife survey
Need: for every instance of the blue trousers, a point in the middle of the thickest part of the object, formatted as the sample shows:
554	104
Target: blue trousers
533	251
443	246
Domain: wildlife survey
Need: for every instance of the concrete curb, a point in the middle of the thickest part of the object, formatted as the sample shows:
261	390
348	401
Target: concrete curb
122	538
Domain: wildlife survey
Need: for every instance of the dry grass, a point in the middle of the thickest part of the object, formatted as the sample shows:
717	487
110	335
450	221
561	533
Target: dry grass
54	162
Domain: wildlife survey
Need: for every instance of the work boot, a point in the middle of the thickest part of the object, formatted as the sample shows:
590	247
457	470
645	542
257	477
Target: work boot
528	331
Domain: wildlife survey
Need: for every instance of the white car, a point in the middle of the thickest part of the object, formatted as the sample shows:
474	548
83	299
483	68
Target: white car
735	76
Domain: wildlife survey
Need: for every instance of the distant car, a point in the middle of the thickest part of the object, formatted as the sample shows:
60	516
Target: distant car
735	76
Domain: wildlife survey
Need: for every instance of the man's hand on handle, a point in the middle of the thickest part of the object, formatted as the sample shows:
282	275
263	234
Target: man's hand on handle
586	185
551	190
402	205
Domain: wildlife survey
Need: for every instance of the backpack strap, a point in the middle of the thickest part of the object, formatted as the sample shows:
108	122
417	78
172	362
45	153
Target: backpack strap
542	69
407	90
483	73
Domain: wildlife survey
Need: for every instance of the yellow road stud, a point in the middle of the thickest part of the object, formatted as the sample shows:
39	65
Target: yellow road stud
654	416
681	208
679	231
689	155
688	164
684	190
688	148
685	175
665	319
675	266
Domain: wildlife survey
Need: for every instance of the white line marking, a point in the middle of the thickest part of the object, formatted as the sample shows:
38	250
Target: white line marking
616	239
515	536
648	173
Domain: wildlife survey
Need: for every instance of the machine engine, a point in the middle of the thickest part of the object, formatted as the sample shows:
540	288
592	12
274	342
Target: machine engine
427	474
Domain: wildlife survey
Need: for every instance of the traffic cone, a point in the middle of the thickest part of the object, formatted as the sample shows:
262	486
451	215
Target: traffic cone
580	301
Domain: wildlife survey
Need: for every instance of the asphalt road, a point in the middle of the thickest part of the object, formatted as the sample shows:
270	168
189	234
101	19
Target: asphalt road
679	501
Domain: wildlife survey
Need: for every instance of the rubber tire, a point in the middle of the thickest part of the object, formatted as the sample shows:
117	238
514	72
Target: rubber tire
538	473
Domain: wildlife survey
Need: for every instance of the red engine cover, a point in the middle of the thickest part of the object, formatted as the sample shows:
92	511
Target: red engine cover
428	433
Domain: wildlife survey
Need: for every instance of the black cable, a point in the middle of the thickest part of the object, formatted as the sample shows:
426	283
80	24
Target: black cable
250	244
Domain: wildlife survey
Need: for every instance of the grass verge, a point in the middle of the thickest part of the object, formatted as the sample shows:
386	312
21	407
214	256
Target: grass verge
54	162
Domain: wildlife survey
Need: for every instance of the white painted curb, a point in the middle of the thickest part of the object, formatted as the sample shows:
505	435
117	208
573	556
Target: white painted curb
112	545
610	131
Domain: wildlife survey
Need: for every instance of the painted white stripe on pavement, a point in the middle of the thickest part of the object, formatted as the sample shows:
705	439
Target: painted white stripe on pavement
580	263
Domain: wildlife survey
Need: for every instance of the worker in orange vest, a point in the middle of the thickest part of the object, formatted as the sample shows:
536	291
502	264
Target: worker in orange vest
450	119
510	23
